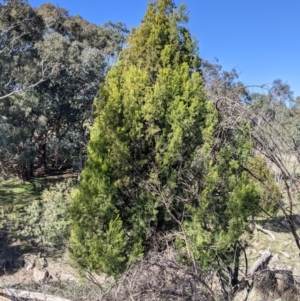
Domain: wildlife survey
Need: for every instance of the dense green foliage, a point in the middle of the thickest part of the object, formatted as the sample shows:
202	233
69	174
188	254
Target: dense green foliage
21	66
48	124
46	218
156	175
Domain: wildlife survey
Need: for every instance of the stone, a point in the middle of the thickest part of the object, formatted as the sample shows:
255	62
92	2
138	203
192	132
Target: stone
269	285
42	262
29	261
40	276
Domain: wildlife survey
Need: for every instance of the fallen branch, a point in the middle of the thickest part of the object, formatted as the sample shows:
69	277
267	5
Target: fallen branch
29	295
262	261
265	231
285	254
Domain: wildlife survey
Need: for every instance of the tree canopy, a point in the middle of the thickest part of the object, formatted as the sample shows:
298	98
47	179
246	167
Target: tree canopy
48	124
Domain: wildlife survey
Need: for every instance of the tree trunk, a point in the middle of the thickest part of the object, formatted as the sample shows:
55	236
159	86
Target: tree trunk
25	171
21	172
42	156
80	165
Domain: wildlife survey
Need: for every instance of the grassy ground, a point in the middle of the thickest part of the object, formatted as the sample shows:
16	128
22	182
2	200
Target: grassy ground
15	198
16	193
283	247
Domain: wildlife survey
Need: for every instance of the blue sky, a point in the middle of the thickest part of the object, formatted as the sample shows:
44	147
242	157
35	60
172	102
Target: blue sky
260	38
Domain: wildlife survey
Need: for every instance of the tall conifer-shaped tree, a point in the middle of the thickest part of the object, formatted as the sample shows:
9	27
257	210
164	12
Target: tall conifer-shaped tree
149	147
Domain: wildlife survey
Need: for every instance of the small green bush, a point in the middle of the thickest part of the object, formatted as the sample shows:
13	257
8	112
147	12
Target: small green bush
47	219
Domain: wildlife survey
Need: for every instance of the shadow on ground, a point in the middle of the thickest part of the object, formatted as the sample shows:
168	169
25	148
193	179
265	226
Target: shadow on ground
15	197
12	253
279	223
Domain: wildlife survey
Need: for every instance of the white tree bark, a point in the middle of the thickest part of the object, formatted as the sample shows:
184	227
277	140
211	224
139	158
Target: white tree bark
260	262
265	231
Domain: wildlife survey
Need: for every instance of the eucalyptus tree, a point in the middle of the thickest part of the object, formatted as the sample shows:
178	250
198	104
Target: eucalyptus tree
50	122
21	68
222	83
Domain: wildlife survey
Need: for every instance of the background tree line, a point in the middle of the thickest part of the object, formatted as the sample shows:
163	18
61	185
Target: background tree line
51	67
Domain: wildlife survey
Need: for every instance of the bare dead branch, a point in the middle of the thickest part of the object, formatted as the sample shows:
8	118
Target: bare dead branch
29	295
262	261
265	231
159	277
